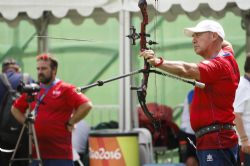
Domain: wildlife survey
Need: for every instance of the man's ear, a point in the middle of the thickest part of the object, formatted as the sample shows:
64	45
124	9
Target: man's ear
54	71
216	36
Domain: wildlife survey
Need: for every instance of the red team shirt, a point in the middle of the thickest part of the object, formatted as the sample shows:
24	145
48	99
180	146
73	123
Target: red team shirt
55	110
214	103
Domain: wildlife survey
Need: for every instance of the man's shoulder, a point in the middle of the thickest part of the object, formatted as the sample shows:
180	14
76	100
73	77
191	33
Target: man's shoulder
210	63
226	60
65	85
228	48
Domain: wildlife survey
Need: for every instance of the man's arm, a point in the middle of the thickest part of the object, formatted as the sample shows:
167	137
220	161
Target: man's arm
179	68
20	117
78	115
242	133
182	69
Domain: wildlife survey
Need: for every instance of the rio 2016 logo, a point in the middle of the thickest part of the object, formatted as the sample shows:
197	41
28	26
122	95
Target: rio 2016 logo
102	154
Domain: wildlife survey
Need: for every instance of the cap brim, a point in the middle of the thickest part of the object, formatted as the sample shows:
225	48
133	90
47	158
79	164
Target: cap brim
190	31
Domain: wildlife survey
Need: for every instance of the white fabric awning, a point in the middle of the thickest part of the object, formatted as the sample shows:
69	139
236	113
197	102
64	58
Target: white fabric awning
34	9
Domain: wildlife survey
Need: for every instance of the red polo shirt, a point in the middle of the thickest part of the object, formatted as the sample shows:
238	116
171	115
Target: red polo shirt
54	111
214	103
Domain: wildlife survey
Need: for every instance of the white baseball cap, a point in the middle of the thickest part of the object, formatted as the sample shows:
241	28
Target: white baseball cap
206	26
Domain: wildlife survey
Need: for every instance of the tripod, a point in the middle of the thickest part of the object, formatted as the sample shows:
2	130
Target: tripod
29	123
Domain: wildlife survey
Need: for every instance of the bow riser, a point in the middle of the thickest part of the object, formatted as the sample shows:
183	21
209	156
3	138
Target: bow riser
142	91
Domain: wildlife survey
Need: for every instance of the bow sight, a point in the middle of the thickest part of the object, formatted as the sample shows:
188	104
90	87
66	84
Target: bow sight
133	36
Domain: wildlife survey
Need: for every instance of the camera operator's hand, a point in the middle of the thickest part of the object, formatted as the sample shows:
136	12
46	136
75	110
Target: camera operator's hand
69	126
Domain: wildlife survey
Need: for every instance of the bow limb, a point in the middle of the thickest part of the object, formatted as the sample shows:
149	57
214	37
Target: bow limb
142	91
142	101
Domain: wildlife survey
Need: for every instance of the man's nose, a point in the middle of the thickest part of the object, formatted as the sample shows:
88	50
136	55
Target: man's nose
194	40
39	71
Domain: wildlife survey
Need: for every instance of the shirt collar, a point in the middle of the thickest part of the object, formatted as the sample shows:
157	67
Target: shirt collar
51	85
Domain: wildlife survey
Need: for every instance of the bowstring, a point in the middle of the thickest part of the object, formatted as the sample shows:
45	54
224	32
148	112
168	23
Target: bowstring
155	20
155	39
156	3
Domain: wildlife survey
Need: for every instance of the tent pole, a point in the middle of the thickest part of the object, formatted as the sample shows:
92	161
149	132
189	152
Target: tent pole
246	26
126	109
41	26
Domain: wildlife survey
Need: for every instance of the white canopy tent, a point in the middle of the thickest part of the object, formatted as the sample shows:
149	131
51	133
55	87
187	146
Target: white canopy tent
44	12
10	9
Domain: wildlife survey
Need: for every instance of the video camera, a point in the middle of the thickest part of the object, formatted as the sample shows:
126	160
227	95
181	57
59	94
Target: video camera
28	88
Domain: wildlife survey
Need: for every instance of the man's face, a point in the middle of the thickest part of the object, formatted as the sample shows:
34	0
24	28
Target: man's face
44	72
201	42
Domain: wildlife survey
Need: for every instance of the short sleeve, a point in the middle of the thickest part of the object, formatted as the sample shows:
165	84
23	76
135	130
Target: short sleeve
74	98
21	103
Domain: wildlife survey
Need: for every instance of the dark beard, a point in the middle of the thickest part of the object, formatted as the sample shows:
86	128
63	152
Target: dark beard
44	80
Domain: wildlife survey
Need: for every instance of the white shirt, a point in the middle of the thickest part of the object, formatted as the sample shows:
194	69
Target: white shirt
185	117
80	136
242	103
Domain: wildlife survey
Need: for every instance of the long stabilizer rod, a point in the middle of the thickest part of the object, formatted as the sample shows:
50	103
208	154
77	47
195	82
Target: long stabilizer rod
101	83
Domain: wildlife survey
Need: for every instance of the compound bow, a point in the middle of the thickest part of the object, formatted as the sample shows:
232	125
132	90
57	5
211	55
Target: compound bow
142	90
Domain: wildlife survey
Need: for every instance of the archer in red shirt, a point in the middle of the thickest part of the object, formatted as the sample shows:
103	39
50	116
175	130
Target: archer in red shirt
211	111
